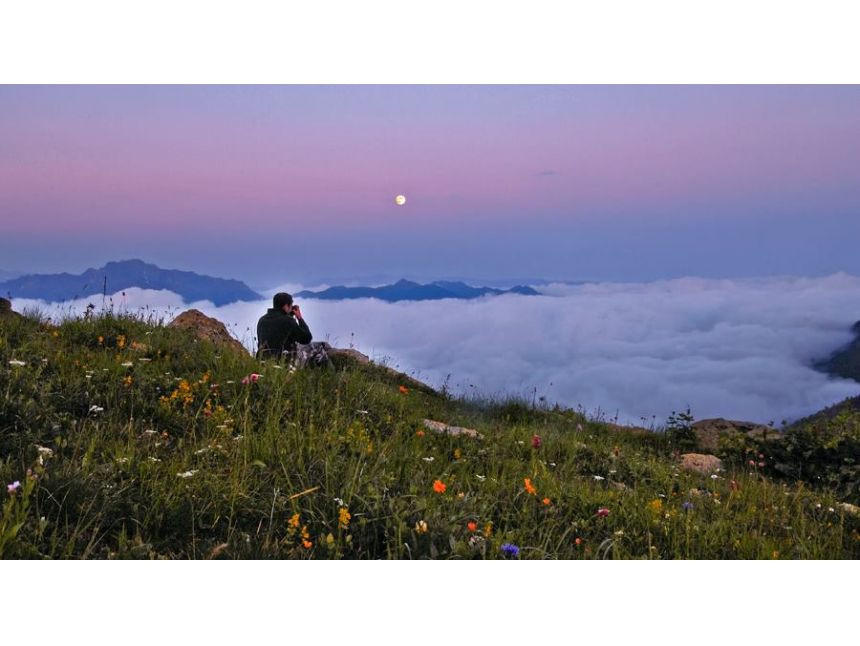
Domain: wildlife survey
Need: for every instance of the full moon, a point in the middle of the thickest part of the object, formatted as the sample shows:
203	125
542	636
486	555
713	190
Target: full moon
400	200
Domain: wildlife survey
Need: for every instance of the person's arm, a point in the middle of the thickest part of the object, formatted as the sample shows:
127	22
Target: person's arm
303	334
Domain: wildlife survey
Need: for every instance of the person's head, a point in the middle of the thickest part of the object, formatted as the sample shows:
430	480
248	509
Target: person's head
282	301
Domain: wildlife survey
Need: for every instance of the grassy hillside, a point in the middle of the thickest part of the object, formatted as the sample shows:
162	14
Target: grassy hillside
131	440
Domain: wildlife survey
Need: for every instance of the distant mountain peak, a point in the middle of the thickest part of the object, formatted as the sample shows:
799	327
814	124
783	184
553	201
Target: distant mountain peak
119	275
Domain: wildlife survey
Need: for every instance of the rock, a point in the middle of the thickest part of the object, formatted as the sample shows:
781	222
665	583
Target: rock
441	427
848	508
701	463
6	309
207	328
708	431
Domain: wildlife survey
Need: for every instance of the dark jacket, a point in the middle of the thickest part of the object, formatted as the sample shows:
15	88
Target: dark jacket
278	331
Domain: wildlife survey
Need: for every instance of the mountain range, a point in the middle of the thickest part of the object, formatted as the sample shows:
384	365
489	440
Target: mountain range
125	274
406	290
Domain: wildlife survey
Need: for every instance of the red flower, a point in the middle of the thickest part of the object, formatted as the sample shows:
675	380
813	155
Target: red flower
439	486
536	442
472	526
603	512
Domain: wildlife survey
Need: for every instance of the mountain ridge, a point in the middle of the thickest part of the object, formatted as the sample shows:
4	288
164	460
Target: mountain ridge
120	275
407	290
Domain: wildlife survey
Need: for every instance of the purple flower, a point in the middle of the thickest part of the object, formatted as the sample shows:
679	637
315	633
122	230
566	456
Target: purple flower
12	488
687	506
510	550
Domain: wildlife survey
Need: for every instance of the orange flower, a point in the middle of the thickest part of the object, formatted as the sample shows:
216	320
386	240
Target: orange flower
529	486
578	541
472	526
404	390
439	486
307	544
419	433
546	501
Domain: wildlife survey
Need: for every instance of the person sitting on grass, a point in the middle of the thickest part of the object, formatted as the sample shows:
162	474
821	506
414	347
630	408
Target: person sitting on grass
282	333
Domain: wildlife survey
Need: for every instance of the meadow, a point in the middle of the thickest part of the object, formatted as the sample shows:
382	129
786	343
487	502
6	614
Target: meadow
122	438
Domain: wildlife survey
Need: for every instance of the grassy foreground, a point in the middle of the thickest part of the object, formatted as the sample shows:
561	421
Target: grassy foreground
120	438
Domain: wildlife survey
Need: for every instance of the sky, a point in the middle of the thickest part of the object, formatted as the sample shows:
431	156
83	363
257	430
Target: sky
279	184
739	349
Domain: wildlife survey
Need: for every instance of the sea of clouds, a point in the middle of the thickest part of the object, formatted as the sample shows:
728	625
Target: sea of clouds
739	349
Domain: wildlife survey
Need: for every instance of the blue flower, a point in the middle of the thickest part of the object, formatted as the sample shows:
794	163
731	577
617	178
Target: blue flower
510	550
687	506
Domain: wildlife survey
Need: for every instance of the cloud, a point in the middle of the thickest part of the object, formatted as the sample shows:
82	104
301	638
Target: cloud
730	348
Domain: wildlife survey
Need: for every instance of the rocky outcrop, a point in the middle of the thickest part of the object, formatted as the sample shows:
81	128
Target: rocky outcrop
708	431
208	329
6	309
700	463
445	429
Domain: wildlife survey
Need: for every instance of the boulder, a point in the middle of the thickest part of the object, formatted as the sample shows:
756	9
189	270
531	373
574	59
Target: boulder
708	431
701	463
207	328
6	309
441	427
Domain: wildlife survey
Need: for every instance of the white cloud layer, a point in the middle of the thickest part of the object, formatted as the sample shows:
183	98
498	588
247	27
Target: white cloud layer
727	348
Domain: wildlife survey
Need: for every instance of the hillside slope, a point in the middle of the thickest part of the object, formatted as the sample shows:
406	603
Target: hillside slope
121	438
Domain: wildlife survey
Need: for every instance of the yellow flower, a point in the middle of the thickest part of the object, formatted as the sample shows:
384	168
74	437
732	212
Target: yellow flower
101	339
294	521
458	454
329	540
488	529
421	527
127	381
120	342
343	518
656	505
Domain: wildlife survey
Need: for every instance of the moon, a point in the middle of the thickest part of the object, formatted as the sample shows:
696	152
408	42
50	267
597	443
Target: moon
400	200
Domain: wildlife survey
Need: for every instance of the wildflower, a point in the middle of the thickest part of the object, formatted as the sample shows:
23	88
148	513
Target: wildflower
403	390
120	342
44	450
472	526
430	459
421	527
294	521
127	381
251	379
127	364
761	464
340	502
458	454
536	442
599	478
577	541
831	510
154	459
101	340
603	512
687	505
13	487
488	529
187	474
439	486
307	544
751	463
530	488
509	550
656	505
419	433
734	485
329	540
96	409
547	502
714	476
461	495
480	478
343	518
17	363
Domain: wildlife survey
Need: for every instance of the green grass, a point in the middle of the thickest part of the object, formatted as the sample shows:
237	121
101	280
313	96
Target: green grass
271	461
